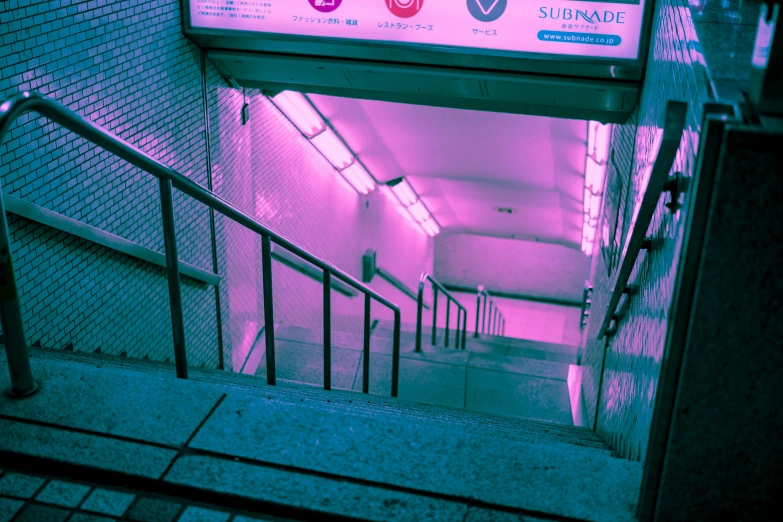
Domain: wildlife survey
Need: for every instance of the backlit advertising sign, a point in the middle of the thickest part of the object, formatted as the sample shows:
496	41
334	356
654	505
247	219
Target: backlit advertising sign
608	29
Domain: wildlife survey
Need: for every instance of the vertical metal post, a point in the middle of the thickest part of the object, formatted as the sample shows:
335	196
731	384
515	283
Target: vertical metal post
366	361
172	271
478	309
434	315
419	308
484	315
456	331
489	329
269	316
327	330
22	382
464	328
396	355
448	309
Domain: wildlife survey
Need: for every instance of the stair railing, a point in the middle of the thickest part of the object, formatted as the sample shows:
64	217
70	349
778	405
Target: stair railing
22	382
462	313
497	323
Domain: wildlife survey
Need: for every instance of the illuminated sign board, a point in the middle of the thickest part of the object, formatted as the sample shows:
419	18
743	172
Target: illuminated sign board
608	29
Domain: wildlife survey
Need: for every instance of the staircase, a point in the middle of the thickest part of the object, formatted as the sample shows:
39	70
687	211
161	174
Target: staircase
231	443
498	375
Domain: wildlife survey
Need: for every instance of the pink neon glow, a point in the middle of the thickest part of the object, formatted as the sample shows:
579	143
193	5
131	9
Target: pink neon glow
359	178
297	109
431	228
333	149
598	138
405	192
419	212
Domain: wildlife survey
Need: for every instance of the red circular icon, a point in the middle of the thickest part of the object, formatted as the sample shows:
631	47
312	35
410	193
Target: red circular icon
404	8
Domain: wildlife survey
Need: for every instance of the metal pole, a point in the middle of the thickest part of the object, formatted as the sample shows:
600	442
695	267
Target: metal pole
456	331
172	271
22	382
396	355
419	308
478	309
448	309
327	330
366	362
489	329
434	315
484	315
269	316
464	328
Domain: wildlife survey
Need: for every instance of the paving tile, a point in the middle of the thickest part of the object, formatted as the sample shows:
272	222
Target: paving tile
63	494
322	495
408	454
108	502
505	393
131	404
87	517
40	513
199	514
18	485
9	507
153	510
420	380
520	365
485	515
303	363
78	448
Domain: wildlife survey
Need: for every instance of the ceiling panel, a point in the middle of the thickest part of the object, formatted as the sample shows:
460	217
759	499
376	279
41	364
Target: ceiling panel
464	164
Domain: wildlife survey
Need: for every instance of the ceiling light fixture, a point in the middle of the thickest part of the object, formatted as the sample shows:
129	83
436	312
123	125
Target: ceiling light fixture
298	109
407	199
598	143
301	113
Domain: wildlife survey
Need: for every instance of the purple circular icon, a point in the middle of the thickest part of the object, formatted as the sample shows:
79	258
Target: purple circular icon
325	6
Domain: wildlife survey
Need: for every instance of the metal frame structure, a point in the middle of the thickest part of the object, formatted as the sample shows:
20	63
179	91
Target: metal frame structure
497	323
22	382
462	314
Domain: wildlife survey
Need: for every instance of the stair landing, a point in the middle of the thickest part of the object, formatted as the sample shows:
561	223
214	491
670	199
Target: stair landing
126	426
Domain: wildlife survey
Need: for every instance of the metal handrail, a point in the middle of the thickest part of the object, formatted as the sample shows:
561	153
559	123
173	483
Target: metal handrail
22	382
497	323
399	285
659	182
462	313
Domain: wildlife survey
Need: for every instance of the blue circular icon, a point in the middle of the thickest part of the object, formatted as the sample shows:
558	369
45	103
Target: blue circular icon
487	10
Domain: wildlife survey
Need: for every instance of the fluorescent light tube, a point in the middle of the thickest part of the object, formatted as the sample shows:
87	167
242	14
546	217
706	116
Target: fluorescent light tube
333	149
405	193
359	178
419	212
301	113
431	228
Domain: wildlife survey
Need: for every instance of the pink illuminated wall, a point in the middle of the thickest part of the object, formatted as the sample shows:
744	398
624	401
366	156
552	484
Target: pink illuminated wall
271	171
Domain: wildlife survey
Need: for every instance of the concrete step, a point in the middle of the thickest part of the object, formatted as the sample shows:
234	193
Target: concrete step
127	422
490	383
511	428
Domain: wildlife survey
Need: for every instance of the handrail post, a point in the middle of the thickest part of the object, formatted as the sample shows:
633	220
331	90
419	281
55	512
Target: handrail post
269	315
478	309
22	382
172	270
464	328
419	307
327	330
366	361
456	331
484	314
434	315
448	309
396	355
491	316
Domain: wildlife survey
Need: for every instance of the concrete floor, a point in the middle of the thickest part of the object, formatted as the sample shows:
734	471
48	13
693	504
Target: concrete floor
301	453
